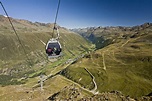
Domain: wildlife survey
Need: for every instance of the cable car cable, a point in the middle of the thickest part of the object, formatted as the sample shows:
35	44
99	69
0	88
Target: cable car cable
16	33
53	46
56	17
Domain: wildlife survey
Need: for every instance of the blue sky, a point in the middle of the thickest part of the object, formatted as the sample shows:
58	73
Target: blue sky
82	13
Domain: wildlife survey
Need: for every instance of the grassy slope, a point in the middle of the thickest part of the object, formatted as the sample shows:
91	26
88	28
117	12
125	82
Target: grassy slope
13	61
128	66
21	92
17	75
121	73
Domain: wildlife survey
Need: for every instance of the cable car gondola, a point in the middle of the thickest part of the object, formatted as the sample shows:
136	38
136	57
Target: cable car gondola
53	48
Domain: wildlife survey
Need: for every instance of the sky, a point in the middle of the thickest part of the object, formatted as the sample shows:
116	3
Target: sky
81	13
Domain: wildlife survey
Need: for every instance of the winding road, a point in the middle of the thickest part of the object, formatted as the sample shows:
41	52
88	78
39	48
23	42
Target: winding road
93	79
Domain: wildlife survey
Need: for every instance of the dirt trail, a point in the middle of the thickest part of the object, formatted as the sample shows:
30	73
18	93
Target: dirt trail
125	43
115	59
103	57
97	64
43	42
104	65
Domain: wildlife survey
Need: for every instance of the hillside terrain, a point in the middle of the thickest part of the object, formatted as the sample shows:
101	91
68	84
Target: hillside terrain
124	64
119	69
16	63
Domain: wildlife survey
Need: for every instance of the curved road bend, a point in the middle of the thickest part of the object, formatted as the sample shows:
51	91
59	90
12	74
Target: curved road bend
93	79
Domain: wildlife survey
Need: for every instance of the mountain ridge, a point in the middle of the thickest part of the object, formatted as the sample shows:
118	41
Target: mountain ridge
100	34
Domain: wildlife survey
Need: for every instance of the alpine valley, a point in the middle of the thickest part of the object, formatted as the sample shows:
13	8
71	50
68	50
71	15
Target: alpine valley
97	63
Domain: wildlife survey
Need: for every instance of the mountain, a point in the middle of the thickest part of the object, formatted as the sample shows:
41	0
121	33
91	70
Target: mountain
118	69
124	64
17	63
103	36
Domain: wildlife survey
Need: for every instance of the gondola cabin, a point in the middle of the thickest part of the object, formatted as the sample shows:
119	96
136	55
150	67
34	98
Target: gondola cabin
53	48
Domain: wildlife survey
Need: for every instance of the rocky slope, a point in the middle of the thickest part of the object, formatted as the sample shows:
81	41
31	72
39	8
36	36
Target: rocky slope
72	93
